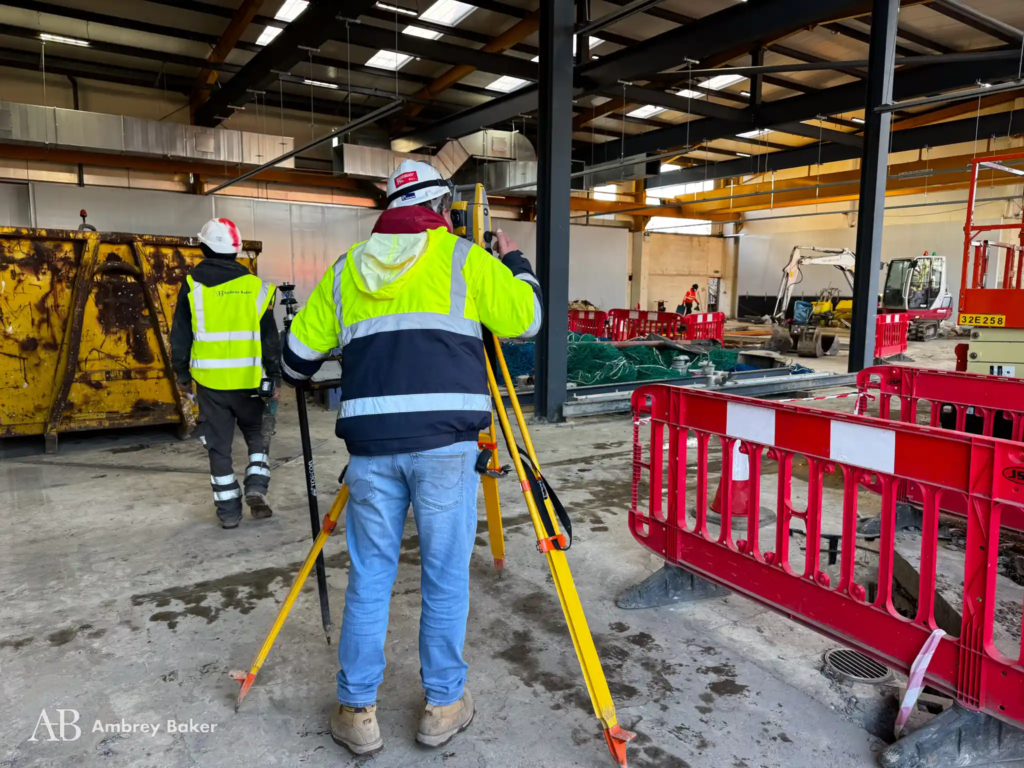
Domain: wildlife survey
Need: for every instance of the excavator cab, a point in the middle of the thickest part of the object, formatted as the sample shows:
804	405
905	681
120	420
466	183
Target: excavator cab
918	287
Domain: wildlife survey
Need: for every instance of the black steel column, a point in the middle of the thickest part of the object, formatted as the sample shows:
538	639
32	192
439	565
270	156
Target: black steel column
554	156
873	170
757	80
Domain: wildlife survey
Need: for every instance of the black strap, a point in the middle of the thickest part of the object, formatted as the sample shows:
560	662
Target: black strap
402	191
541	490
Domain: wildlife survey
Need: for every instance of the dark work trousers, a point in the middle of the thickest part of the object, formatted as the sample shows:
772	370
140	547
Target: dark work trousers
219	411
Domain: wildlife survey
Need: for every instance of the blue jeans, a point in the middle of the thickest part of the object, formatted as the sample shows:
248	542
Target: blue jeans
442	486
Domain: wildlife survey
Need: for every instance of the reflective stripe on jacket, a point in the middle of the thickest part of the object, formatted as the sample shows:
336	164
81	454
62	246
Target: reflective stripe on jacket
413	373
226	347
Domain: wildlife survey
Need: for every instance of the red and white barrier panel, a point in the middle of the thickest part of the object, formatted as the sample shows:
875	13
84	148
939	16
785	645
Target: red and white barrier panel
988	471
965	402
704	325
592	322
629	324
891	334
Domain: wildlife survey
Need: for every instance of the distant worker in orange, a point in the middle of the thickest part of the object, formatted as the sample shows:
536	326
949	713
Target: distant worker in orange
691	301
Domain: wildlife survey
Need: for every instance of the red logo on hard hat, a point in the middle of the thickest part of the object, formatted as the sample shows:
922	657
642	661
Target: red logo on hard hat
236	239
406	178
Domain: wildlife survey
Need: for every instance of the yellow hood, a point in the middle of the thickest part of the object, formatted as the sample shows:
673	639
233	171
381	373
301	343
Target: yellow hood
382	259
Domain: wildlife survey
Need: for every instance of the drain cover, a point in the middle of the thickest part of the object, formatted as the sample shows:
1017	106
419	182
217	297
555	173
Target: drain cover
855	667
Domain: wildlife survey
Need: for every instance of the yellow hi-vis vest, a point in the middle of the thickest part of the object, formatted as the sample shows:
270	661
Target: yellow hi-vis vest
226	348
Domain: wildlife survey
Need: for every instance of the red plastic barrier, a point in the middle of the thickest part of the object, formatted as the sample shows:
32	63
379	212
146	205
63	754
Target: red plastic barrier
632	324
963	402
891	334
592	322
704	325
986	470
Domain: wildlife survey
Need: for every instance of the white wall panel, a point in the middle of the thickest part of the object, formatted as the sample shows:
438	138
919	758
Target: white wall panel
598	260
121	210
15	210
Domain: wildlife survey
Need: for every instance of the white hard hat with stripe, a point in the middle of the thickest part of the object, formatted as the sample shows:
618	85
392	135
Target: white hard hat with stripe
221	236
415	183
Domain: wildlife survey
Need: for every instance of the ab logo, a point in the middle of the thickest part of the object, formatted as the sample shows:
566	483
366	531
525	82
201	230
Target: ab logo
62	729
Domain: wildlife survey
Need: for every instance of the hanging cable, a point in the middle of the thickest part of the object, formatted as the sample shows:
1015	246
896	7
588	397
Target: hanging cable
312	116
348	67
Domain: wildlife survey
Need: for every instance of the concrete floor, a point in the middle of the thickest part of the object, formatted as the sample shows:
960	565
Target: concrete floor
121	598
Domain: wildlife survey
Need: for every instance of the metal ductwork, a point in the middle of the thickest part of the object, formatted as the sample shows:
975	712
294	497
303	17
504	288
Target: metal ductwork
495	158
97	131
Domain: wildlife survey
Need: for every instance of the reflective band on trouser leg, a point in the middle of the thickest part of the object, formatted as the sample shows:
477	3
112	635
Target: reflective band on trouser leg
434	401
257	474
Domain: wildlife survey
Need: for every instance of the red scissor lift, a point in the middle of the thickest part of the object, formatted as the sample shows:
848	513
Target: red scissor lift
991	296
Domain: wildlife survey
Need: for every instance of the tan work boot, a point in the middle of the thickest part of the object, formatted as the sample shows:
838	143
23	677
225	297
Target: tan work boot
439	724
356	728
259	507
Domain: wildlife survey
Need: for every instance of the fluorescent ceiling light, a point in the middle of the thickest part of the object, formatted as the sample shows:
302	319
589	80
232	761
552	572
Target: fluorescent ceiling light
744	93
288	12
388	60
666	168
686	93
268	34
320	84
743	154
396	9
506	84
755	133
427	34
646	111
858	120
447	12
61	39
719	82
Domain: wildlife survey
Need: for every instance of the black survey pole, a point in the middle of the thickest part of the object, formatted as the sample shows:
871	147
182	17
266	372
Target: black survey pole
553	180
873	172
290	309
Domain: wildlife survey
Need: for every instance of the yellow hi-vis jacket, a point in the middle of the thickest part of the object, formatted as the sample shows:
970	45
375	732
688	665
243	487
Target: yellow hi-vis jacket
406	311
226	348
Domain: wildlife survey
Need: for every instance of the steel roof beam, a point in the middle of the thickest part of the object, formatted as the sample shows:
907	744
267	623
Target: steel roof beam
315	26
743	24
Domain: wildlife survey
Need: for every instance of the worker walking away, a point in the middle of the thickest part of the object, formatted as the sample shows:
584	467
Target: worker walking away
691	301
225	339
408	308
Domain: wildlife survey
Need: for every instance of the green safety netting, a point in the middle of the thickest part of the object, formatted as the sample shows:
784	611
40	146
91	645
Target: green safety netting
592	362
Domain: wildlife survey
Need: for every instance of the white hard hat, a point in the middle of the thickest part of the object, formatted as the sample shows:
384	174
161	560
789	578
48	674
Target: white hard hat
221	236
414	183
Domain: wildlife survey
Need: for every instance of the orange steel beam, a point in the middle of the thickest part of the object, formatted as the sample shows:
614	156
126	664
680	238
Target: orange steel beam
729	201
503	42
197	167
228	40
964	108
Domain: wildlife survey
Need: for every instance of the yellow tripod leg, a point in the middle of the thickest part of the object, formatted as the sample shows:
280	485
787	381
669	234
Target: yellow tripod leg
600	697
330	522
491	503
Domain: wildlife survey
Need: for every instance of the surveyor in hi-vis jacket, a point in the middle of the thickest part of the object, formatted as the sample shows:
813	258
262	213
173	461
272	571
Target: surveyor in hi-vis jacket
224	338
406	308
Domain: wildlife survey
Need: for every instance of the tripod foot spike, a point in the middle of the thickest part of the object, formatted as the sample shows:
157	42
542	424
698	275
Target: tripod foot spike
499	564
327	634
617	738
246	685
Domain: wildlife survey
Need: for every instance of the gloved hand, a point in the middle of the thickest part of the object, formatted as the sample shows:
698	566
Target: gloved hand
505	243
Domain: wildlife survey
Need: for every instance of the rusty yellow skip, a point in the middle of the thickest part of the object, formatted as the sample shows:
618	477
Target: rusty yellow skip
85	321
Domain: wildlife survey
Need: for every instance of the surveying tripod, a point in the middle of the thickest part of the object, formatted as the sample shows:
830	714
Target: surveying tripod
471	219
